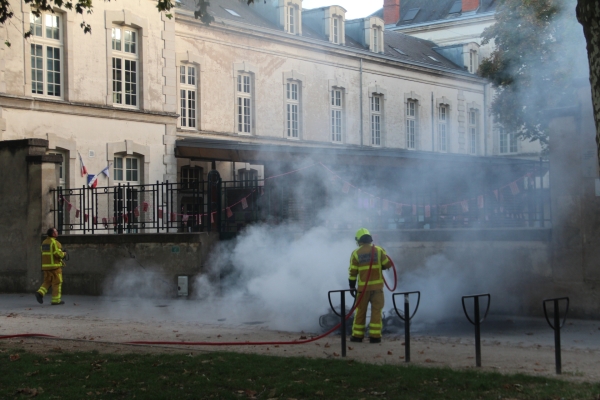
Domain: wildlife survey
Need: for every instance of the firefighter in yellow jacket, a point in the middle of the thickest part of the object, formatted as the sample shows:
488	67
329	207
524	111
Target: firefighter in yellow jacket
52	263
359	269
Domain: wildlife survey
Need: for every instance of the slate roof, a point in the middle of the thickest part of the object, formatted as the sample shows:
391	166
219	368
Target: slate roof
412	50
436	10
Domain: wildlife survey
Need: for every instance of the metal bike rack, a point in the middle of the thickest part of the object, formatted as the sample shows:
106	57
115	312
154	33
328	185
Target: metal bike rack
342	314
477	322
557	326
406	318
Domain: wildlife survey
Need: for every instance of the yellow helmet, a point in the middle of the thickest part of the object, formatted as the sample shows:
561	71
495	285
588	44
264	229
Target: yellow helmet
363	232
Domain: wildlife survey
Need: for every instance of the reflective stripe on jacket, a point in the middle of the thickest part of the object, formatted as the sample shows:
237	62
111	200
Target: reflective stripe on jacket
359	266
52	254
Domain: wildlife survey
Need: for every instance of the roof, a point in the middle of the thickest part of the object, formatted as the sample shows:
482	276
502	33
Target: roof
411	50
414	12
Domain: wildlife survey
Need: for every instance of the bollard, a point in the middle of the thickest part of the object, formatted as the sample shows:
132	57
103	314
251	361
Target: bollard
342	314
406	318
557	326
477	321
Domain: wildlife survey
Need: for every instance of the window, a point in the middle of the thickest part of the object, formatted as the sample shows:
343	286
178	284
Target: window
126	169
62	172
376	40
411	14
508	142
411	124
292	110
376	106
244	103
472	61
248	177
337	108
335	30
443	128
46	55
125	59
472	131
191	175
292	20
187	96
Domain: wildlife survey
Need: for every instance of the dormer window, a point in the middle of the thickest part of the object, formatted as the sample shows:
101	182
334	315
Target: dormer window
473	61
291	20
376	34
335	30
291	17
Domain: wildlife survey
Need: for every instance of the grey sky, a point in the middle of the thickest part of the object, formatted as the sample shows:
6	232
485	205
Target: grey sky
354	8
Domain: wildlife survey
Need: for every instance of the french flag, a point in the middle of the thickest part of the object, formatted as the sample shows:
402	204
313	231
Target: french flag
83	168
92	180
106	170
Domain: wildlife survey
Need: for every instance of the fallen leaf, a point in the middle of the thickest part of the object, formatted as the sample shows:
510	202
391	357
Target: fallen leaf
389	353
15	357
250	393
401	357
377	393
327	345
302	337
335	354
350	348
429	360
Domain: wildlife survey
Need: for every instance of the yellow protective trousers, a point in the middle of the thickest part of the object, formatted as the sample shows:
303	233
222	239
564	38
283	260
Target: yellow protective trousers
375	297
52	277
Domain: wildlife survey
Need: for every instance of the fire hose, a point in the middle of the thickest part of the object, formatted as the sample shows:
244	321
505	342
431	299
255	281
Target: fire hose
303	341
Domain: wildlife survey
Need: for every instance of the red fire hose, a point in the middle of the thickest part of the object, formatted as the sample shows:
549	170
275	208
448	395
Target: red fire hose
239	343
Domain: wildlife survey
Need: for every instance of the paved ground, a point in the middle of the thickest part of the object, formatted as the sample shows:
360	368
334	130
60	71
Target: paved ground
509	344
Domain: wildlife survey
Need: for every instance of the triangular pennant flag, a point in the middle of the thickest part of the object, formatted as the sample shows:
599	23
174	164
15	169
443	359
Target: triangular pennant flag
212	218
427	211
160	213
145	206
95	220
496	193
173	216
92	180
244	203
136	212
185	218
104	222
229	212
77	213
126	218
480	201
69	206
514	188
85	217
83	168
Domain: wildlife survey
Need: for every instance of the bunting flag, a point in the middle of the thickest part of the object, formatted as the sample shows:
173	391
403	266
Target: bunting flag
136	212
346	187
427	211
229	212
83	168
465	205
173	216
106	170
125	218
496	193
244	204
69	206
92	180
105	222
514	188
414	207
399	209
95	220
160	213
145	206
85	217
185	218
212	218
480	201
386	205
77	213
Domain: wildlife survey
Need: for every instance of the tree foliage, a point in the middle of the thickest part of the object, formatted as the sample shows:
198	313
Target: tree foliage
83	7
534	62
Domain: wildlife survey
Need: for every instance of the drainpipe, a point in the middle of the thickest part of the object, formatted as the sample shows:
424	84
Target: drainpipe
485	126
432	121
361	102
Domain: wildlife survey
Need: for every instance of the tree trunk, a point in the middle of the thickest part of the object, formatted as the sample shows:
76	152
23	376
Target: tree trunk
588	15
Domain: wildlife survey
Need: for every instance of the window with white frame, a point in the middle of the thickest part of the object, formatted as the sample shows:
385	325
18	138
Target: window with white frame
244	103
376	114
336	30
472	131
377	42
443	128
411	124
508	142
46	50
187	96
472	61
62	172
292	19
292	107
337	114
126	169
125	67
248	177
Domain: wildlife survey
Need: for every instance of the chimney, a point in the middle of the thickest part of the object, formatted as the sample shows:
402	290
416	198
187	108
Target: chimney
391	11
470	5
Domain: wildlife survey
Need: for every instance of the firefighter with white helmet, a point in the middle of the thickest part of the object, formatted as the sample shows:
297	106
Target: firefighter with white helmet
367	255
